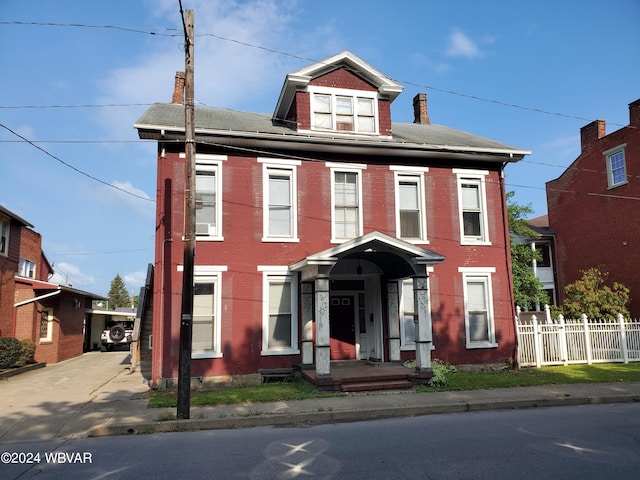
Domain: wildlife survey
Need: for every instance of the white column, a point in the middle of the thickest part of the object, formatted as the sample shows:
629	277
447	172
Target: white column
323	363
307	323
424	335
394	321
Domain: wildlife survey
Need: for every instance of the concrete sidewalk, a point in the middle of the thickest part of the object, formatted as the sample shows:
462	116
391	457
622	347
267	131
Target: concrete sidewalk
95	395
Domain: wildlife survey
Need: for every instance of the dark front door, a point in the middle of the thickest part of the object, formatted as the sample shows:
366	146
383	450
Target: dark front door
342	327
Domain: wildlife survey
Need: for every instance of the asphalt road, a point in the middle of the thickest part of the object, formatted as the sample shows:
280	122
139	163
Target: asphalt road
583	442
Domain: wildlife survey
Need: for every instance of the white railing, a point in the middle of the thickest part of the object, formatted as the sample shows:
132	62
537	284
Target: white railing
547	341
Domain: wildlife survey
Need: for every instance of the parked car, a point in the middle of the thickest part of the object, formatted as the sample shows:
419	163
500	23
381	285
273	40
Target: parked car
117	334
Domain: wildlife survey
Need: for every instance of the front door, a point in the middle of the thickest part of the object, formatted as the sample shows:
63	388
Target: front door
342	327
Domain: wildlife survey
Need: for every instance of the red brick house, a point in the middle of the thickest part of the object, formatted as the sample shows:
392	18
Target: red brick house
593	207
327	232
31	307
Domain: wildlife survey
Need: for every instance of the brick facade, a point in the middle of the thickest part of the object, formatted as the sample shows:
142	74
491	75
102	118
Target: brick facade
595	225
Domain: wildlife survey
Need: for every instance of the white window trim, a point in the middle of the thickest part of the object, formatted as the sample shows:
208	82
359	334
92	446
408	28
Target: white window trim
484	274
214	161
608	154
346	168
479	177
7	222
288	166
49	337
213	273
279	272
343	92
402	171
21	268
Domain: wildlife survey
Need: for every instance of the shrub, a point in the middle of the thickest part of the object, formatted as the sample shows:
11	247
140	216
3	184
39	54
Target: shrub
10	349
27	350
441	371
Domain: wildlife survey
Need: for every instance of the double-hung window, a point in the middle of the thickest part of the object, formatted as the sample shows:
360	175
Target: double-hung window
411	222
205	342
616	166
478	307
280	311
346	202
343	111
4	236
280	200
407	315
208	197
26	268
472	203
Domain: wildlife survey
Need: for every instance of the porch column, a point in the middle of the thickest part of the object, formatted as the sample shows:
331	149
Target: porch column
307	323
424	338
394	321
323	363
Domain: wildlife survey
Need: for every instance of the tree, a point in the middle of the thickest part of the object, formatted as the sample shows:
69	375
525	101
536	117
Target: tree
528	290
118	296
591	296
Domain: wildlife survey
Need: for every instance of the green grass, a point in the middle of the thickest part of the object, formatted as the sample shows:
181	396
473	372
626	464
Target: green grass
299	389
609	372
266	392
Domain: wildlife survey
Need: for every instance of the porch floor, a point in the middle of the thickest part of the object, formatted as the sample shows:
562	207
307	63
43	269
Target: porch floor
362	375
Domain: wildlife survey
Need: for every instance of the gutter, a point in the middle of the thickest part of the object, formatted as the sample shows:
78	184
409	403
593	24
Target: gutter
36	299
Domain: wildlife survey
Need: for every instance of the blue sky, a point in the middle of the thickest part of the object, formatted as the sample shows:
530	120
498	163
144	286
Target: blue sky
488	68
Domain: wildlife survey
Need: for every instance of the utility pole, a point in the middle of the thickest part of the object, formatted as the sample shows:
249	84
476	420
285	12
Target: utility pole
186	313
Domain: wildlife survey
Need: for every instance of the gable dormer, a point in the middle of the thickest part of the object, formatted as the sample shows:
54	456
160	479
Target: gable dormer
342	94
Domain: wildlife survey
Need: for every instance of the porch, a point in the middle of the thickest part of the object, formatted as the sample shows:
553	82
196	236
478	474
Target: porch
363	375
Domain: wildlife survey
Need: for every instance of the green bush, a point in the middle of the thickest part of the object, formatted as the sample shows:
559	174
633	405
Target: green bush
27	350
10	350
441	371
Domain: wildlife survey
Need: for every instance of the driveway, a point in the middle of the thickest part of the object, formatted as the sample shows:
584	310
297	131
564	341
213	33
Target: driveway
60	399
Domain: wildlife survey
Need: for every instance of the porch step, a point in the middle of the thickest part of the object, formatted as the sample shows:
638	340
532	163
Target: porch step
376	385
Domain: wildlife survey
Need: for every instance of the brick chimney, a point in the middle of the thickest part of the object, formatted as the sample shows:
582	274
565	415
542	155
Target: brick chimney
590	134
178	88
420	114
634	113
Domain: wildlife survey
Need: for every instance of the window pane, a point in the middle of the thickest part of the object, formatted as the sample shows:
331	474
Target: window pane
470	197
618	170
322	103
365	106
205	202
471	221
366	124
279	190
409	224
344	106
203	317
478	327
280	221
476	296
408	325
279	315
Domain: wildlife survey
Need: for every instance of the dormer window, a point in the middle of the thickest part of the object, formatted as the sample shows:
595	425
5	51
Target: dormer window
343	111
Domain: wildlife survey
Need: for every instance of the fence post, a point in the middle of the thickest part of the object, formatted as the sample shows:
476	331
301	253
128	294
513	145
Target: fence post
587	338
536	340
623	338
547	312
563	340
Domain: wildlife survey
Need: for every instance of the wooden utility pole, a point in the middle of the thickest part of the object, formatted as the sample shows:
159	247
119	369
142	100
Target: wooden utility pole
186	313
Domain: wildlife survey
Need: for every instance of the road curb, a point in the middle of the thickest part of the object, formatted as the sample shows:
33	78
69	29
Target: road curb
344	416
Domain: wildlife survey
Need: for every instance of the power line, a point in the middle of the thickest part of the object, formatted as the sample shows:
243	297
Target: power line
143	30
75	168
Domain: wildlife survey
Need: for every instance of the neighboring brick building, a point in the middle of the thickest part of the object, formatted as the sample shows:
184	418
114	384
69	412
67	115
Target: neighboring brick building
51	315
594	207
327	232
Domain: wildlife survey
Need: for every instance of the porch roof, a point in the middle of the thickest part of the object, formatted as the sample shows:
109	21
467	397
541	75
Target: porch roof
394	256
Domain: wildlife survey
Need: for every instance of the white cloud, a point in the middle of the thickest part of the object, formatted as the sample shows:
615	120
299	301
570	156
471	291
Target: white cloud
135	280
461	45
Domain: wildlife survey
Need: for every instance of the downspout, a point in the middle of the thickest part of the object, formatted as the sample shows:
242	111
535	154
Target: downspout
25	302
507	248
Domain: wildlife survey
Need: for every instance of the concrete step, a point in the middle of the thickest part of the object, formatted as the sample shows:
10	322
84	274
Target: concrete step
376	385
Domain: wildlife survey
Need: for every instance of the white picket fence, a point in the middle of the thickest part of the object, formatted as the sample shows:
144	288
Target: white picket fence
546	341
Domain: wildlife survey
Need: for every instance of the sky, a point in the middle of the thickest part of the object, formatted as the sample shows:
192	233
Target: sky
77	75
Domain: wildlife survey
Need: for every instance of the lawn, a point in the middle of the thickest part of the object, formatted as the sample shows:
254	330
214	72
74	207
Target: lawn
299	389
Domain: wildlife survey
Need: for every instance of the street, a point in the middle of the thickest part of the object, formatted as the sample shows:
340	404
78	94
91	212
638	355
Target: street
583	442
